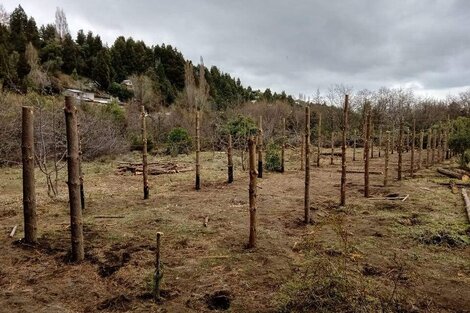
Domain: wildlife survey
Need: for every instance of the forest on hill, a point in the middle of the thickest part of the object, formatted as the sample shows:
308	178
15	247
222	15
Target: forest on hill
34	58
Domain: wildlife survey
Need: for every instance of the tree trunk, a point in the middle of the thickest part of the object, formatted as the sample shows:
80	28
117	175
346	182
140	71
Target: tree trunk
428	146
366	150
144	153
413	139
230	160
433	147
283	147
371	142
387	148
252	192
29	190
332	148
73	171
354	145
198	150
400	148
307	167
343	150
420	151
260	148
158	275
319	141
392	147
380	141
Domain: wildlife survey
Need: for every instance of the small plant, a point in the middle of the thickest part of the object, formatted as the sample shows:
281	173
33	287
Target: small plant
460	139
273	157
179	141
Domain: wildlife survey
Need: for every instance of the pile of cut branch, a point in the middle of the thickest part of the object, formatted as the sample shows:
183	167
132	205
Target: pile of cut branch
154	168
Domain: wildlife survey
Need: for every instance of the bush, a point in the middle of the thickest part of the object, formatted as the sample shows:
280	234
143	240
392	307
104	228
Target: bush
179	141
459	140
240	128
273	157
137	144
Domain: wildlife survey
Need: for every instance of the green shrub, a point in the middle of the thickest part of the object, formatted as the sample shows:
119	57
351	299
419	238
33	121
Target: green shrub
273	157
137	143
240	127
179	141
459	140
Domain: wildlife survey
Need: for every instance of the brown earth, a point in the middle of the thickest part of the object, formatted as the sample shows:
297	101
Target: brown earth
426	237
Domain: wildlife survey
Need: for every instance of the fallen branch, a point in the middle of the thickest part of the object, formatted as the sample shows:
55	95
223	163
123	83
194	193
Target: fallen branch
13	231
206	221
467	202
391	198
449	173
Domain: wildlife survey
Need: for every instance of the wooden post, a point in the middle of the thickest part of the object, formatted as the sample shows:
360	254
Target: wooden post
371	142
332	148
307	167
343	152
230	160
158	275
433	146
252	191
420	151
144	152
260	148
319	140
380	141
354	144
29	188
366	152
198	150
428	148
438	145
387	148
400	148
73	171
413	139
283	147
302	154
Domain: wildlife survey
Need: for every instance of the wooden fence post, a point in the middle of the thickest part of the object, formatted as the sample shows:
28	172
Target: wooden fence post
144	152
260	148
283	147
343	151
29	188
319	141
366	150
73	171
387	148
198	150
413	139
307	166
252	191
400	149
332	148
230	160
354	144
158	275
420	151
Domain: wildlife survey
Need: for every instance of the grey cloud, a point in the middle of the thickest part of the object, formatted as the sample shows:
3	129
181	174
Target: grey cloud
297	46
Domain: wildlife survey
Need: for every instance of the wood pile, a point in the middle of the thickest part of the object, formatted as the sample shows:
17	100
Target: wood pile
155	168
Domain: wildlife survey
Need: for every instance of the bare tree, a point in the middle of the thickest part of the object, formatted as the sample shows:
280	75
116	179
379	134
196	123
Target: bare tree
61	26
4	16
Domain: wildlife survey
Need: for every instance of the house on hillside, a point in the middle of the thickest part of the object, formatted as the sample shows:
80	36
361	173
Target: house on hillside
80	94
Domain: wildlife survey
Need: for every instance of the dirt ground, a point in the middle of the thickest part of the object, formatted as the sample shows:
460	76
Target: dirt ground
426	237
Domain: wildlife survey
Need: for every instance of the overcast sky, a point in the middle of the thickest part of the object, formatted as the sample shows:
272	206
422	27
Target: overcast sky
297	46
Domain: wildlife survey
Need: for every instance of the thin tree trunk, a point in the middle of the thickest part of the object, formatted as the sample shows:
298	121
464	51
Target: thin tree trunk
380	141
428	146
198	150
307	167
260	148
29	188
371	141
73	171
366	149
420	151
413	139
343	150
387	148
144	153
438	146
332	148
392	148
433	147
400	148
283	147
252	192
158	275
354	145
319	141
230	160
